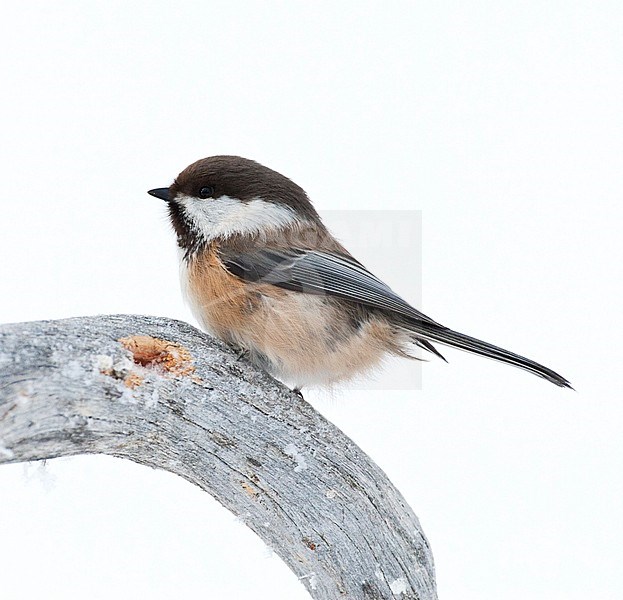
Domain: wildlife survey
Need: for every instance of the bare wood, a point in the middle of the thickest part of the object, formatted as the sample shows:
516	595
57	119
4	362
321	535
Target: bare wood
161	393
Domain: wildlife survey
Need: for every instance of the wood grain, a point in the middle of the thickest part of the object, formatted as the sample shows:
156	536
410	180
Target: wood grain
170	397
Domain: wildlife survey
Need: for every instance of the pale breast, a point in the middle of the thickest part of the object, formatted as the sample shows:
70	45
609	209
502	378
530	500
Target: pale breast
219	301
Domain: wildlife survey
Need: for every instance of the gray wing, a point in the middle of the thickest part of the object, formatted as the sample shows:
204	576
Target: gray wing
313	272
340	276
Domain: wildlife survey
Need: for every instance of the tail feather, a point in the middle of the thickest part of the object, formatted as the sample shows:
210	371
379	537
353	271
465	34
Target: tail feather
430	332
422	343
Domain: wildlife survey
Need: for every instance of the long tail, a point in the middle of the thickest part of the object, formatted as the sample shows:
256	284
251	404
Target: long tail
432	332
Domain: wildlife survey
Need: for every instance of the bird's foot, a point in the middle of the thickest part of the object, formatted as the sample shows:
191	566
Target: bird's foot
241	353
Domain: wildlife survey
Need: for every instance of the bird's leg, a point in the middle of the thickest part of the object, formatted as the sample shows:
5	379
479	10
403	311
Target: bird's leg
241	353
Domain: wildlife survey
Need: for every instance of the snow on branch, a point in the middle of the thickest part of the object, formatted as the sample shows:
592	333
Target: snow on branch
161	393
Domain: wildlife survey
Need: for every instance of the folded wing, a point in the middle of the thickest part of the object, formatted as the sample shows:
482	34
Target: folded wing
340	276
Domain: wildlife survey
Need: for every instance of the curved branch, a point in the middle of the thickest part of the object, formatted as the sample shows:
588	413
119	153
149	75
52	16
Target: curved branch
161	393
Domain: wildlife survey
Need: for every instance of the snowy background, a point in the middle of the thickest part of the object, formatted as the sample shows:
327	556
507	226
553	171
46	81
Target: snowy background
500	121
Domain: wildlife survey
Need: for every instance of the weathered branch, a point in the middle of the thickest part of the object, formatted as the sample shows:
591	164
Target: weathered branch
161	393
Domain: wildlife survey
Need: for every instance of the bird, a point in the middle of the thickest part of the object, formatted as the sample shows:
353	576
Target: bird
262	273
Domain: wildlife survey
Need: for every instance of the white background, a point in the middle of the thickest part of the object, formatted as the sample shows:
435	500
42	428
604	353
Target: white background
500	121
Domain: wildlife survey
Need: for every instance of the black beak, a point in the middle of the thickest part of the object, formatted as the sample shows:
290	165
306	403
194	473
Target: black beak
162	193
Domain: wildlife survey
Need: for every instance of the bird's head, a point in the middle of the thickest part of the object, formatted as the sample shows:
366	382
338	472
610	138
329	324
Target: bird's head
221	197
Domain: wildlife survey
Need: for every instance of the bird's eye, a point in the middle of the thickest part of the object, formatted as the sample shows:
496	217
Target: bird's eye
206	192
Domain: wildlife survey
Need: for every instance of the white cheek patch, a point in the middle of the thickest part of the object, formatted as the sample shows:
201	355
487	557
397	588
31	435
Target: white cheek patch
224	217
